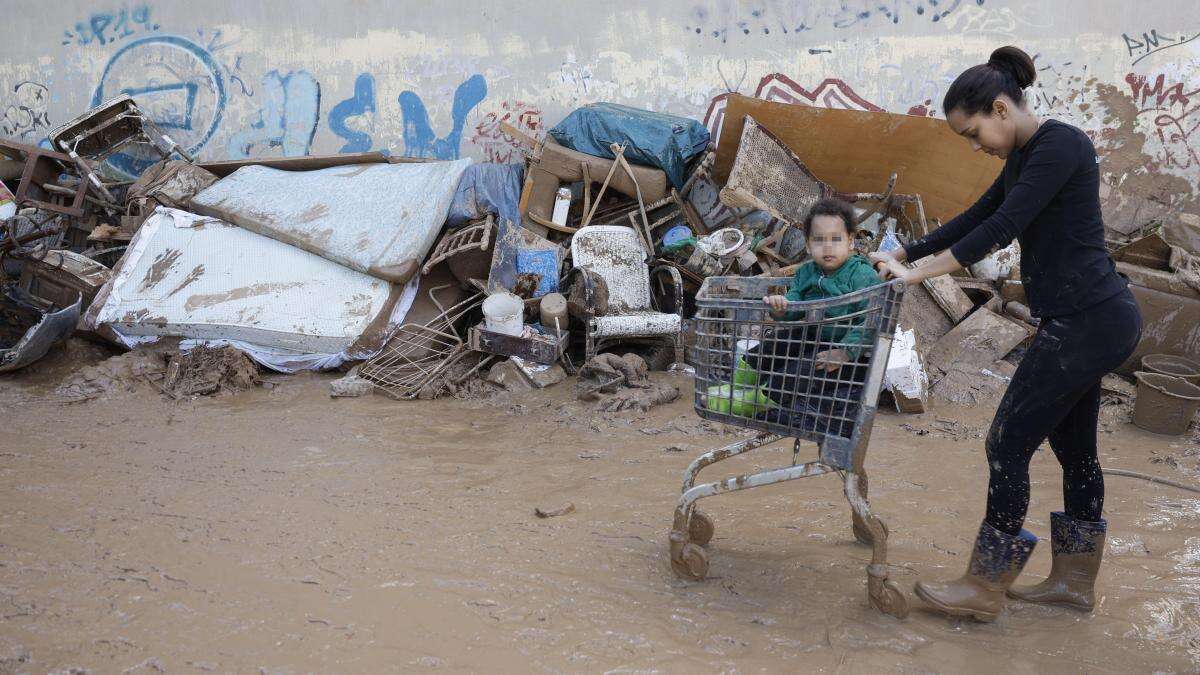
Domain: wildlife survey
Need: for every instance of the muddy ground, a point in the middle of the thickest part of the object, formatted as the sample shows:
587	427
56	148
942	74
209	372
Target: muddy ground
278	530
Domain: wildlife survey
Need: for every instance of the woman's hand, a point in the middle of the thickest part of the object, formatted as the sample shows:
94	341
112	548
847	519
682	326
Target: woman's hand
776	303
894	269
881	260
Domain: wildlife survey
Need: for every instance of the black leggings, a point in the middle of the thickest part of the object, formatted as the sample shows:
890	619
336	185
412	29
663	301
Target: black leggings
1055	395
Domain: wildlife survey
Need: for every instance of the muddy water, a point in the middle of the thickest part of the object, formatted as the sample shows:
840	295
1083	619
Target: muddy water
284	531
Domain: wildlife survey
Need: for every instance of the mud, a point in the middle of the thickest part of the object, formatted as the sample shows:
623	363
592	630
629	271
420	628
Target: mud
276	530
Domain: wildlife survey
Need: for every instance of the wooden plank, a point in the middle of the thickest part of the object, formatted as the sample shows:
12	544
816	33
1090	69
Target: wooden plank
947	294
856	151
982	339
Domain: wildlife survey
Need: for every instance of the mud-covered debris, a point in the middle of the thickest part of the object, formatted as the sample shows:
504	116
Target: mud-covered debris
569	507
121	373
350	386
204	370
607	373
641	399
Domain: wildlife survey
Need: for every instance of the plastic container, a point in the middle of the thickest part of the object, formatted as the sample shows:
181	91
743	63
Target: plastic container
1175	366
562	204
553	311
1165	404
504	313
676	235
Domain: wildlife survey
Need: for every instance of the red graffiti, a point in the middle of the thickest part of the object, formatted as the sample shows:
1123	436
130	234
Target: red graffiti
498	146
1144	92
830	93
1176	119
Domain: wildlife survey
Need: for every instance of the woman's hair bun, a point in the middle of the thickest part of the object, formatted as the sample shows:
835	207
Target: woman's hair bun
1015	62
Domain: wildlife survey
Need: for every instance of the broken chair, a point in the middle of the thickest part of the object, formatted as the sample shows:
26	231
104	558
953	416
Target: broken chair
101	132
616	255
758	373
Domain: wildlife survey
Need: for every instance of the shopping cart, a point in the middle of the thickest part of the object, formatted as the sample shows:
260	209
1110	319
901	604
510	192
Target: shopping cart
771	375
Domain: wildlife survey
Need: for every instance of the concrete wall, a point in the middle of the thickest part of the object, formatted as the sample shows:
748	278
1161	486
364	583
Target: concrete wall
236	79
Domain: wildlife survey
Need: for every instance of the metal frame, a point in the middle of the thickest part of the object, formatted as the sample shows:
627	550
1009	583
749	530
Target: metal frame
731	308
421	355
592	345
121	117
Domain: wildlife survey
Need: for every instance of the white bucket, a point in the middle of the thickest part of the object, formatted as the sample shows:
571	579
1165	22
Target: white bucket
504	313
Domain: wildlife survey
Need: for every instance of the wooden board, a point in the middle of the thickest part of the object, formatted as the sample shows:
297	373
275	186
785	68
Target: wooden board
856	151
947	294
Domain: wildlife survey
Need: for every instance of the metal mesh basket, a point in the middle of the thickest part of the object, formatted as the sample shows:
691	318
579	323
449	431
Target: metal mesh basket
757	372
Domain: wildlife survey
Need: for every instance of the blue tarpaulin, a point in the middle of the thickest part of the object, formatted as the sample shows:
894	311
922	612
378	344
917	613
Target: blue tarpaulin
650	138
487	188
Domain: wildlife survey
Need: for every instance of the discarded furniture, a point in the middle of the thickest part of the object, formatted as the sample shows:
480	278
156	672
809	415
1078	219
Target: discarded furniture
536	347
197	277
422	357
569	166
788	397
30	326
463	242
41	169
63	278
857	151
616	255
379	219
103	131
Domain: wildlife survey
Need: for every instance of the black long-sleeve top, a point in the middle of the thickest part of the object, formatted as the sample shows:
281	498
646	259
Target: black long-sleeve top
1048	198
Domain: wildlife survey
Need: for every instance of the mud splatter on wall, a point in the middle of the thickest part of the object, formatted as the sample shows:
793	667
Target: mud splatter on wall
436	79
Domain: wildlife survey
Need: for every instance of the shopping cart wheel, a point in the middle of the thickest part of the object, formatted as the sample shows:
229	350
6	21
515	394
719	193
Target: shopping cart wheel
889	599
692	562
700	528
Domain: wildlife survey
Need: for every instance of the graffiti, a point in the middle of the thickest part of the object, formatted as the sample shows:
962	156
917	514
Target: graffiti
1175	115
775	17
498	146
1152	43
830	93
176	82
419	137
105	27
362	106
287	119
27	115
1065	88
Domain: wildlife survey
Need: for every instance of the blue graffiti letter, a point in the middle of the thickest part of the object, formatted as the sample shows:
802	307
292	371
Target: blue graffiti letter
361	103
419	139
287	119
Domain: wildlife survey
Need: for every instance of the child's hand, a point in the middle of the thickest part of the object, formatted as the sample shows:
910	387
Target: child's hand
777	303
830	360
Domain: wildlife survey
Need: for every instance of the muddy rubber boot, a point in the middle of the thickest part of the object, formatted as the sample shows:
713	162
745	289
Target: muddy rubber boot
1077	547
995	563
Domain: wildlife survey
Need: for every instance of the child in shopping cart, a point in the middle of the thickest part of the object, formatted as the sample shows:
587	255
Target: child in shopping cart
816	371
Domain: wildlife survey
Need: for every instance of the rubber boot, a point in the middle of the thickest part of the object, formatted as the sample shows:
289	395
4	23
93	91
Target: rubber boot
1077	547
995	563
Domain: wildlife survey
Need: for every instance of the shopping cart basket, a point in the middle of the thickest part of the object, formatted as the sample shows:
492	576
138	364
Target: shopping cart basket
778	376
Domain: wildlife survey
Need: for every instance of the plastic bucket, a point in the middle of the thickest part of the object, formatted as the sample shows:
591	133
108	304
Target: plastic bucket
1175	366
1165	404
504	313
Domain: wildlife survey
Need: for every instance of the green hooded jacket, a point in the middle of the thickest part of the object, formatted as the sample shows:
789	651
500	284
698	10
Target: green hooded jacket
810	283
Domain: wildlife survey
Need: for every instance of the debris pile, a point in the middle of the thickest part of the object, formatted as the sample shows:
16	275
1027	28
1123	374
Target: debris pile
437	277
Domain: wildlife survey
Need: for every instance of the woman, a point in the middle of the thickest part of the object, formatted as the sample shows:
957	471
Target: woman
1047	197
